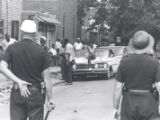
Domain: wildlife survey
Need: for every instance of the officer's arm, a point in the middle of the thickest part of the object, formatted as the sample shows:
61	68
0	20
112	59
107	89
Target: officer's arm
48	83
158	79
4	69
117	94
158	88
118	86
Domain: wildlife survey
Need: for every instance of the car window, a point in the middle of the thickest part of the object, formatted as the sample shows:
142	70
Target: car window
102	52
81	53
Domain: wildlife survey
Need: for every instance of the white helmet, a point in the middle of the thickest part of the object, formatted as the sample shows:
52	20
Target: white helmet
28	26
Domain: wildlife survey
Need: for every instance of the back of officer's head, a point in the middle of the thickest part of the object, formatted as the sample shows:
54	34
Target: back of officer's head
29	29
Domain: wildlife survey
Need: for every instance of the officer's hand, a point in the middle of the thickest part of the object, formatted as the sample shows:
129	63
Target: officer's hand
23	88
116	114
51	105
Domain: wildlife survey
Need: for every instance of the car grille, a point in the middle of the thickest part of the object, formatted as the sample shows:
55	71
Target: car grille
101	65
84	66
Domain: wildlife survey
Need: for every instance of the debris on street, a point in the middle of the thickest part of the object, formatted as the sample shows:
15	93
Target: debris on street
5	89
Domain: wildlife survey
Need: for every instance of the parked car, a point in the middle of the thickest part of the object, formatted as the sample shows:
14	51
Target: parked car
119	52
99	66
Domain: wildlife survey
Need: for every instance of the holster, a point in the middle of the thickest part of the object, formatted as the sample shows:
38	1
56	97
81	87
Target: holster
155	94
41	87
124	90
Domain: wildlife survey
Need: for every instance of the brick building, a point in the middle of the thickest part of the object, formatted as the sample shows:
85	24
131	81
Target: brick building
64	10
10	16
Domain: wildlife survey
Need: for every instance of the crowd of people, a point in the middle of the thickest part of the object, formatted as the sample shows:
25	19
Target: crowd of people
62	53
28	63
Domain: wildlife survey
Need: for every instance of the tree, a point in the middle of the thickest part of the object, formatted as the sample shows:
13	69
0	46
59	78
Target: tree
129	16
124	17
83	7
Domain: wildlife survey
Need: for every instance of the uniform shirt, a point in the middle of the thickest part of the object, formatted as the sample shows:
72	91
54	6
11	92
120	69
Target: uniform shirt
27	60
78	46
53	51
69	49
138	71
5	43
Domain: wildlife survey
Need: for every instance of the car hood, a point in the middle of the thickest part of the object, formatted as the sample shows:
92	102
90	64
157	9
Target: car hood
114	60
81	60
100	60
84	60
110	60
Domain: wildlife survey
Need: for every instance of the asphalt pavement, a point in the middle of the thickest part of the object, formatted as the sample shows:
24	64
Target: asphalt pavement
84	100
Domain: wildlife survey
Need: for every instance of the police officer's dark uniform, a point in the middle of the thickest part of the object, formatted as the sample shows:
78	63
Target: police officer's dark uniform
138	72
27	60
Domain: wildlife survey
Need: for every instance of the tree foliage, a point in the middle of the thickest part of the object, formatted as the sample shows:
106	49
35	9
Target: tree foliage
125	16
133	15
83	7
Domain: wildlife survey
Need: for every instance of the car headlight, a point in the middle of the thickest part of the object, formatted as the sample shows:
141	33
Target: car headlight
105	65
74	66
96	66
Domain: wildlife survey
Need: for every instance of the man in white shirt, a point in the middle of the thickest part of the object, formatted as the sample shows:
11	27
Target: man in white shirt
7	41
69	56
58	45
53	53
78	44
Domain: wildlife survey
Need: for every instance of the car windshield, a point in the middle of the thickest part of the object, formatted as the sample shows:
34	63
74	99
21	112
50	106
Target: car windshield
118	51
81	53
102	52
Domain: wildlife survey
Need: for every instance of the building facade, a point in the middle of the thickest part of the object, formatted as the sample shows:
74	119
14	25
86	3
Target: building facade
10	16
64	10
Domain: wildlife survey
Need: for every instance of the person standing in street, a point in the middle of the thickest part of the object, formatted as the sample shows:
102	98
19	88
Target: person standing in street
29	69
136	75
53	52
7	41
69	59
91	53
43	41
78	44
62	59
58	45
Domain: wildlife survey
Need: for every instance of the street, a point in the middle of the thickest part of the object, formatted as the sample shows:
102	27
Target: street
84	100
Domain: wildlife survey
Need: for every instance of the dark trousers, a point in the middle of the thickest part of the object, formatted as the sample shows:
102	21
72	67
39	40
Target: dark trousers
32	107
54	60
138	106
68	72
63	68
